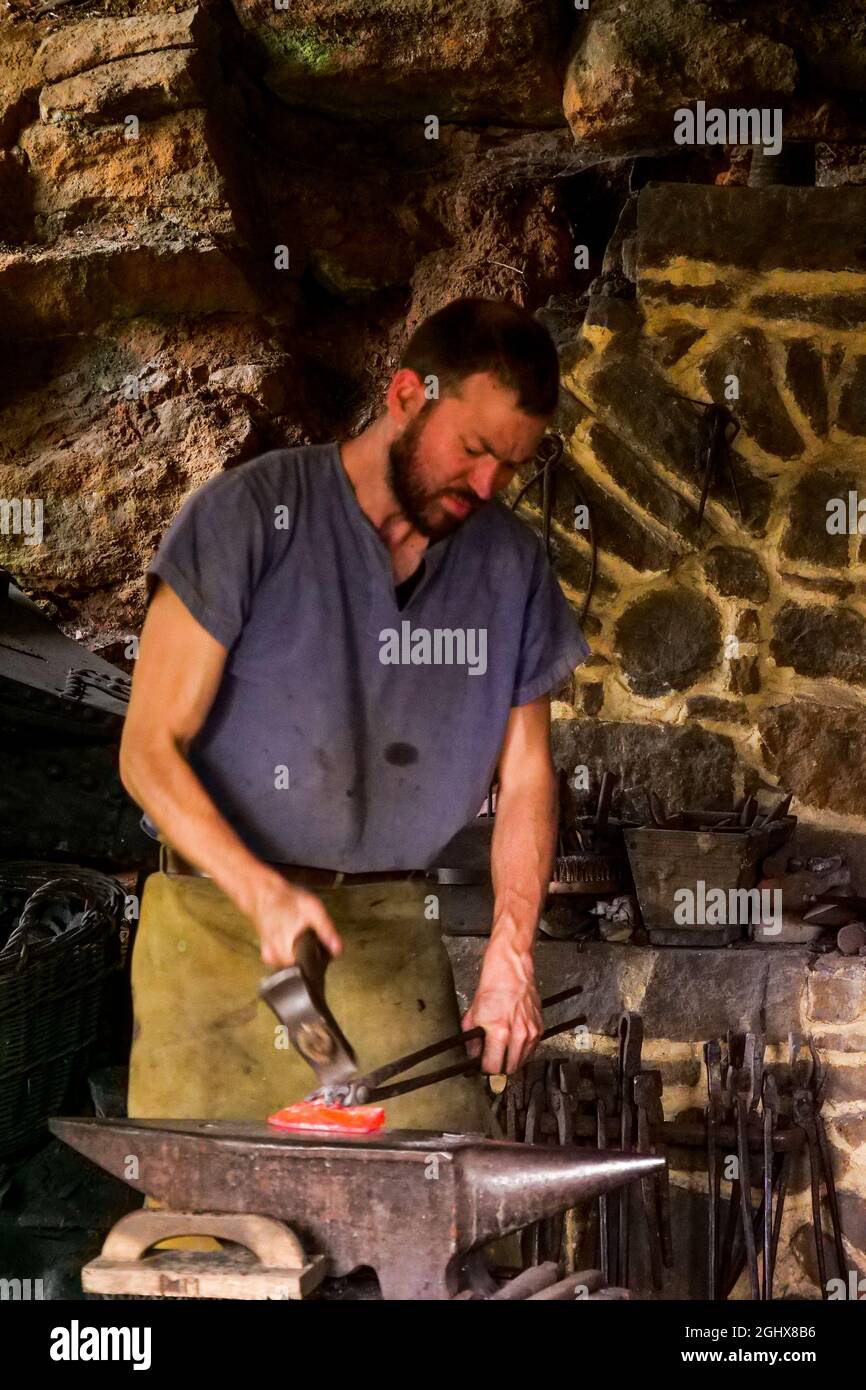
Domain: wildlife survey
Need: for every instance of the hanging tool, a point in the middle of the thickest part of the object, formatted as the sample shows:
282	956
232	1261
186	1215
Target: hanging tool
807	1098
630	1043
713	1059
655	1195
735	1090
717	430
770	1102
745	1092
746	1100
605	1105
732	1058
549	456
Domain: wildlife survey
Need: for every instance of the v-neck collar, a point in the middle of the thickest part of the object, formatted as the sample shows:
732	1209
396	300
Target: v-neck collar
432	557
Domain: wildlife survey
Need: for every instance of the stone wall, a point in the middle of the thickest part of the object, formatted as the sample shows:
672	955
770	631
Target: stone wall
739	645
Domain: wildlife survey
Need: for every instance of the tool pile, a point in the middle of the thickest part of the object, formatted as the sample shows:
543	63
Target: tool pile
820	905
720	850
590	855
763	1124
540	1283
746	816
607	1103
757	1121
621	873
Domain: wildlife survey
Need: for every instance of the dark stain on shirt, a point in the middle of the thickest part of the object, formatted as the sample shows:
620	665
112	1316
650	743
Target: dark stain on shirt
401	754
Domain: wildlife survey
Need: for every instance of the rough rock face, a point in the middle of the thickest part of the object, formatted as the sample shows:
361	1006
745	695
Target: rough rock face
218	220
821	751
685	766
633	65
469	61
194	268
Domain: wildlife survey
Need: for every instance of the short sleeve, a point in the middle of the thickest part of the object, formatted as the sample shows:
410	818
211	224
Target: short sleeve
552	644
213	553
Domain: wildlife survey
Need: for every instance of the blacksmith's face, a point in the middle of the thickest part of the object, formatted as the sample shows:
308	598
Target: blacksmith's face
455	454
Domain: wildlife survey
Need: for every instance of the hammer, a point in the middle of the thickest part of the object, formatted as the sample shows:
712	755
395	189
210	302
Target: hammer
297	996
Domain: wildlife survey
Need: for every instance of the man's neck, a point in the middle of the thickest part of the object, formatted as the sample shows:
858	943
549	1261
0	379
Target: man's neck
365	461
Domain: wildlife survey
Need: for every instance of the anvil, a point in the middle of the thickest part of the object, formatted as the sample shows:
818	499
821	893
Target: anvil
411	1204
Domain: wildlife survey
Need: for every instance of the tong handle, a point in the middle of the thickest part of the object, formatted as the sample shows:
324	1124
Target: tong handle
384	1073
466	1064
389	1069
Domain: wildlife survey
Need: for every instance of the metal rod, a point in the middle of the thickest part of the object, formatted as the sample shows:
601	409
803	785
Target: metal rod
461	1068
413	1059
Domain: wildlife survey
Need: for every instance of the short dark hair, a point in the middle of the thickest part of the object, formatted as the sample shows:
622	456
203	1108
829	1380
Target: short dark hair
487	335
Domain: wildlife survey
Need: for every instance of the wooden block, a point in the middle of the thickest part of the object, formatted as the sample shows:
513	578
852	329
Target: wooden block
266	1261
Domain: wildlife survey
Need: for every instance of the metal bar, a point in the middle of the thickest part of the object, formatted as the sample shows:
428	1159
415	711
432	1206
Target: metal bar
648	1192
630	1041
694	1136
770	1111
832	1199
713	1060
746	1197
784	1178
528	1283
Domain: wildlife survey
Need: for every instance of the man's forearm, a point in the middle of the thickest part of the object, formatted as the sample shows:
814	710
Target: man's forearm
524	841
162	782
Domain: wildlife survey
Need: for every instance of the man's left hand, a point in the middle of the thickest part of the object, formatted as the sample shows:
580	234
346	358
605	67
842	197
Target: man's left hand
507	1007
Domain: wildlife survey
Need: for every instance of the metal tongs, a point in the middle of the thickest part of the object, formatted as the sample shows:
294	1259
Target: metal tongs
369	1089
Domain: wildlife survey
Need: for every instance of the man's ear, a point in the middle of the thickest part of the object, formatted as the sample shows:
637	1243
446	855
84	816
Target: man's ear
405	396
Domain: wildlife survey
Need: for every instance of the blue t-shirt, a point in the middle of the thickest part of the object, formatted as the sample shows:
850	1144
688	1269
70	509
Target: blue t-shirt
348	733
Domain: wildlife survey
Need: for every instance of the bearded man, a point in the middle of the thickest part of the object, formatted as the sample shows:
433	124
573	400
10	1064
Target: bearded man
302	769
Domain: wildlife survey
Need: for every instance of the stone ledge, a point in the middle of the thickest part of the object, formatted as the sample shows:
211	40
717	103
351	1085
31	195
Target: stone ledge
683	994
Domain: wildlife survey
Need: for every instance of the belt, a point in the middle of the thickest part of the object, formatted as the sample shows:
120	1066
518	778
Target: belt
308	876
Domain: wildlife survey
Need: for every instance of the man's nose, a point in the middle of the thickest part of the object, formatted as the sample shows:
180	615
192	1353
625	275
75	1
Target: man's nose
487	478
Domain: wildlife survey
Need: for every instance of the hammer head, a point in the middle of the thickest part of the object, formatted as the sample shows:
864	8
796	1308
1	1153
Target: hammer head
297	996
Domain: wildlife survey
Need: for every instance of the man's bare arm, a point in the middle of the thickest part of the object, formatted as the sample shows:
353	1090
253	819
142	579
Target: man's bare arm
177	675
506	1001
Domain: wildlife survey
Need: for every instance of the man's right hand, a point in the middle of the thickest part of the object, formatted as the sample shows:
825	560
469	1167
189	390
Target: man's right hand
281	912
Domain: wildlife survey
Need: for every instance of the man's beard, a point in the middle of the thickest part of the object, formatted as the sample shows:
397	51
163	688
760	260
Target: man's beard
415	501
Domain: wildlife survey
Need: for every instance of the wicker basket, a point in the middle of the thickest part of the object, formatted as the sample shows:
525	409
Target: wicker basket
52	991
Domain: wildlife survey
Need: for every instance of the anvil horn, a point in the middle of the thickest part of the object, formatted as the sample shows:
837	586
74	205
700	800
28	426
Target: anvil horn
534	1181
